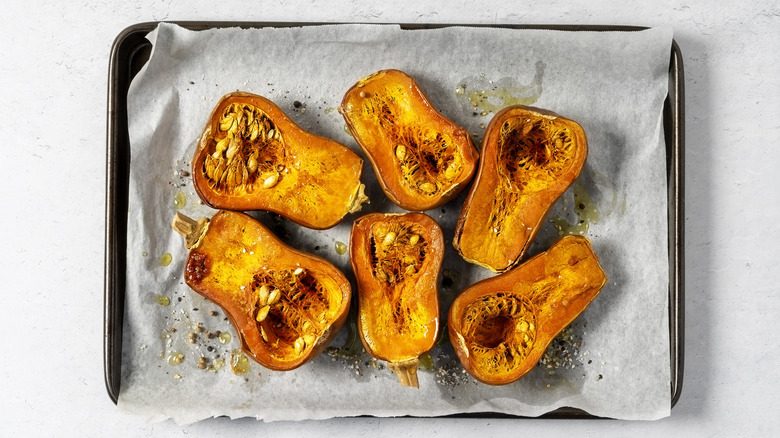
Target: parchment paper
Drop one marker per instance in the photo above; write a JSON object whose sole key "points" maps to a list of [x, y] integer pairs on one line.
{"points": [[614, 359]]}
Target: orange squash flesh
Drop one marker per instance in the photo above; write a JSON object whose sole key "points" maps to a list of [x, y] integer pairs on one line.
{"points": [[286, 305], [251, 156], [501, 326], [421, 158], [396, 259], [529, 158]]}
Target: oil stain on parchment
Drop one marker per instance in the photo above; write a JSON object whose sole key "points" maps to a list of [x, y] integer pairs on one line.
{"points": [[593, 197], [487, 96]]}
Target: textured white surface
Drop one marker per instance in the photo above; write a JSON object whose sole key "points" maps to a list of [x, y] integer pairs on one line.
{"points": [[53, 95]]}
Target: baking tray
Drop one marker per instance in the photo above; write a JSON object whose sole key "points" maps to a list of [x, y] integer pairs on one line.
{"points": [[131, 50]]}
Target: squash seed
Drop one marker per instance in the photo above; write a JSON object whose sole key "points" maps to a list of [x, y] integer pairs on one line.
{"points": [[244, 177], [400, 152], [227, 123], [262, 314], [231, 176], [451, 171], [273, 297], [263, 294], [523, 326], [428, 187], [299, 344], [222, 145], [232, 150], [209, 166], [219, 171], [251, 164], [270, 180], [389, 238]]}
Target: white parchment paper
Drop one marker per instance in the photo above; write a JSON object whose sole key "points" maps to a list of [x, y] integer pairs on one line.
{"points": [[614, 359]]}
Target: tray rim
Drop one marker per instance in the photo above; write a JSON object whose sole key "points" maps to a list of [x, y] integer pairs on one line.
{"points": [[132, 38]]}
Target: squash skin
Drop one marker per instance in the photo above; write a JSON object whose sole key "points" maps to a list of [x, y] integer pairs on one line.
{"points": [[388, 109], [309, 179], [398, 303], [522, 173], [489, 321], [235, 256]]}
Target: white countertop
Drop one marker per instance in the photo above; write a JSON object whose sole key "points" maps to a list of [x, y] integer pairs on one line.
{"points": [[53, 94]]}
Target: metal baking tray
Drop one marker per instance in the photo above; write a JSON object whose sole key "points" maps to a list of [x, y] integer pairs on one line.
{"points": [[131, 50]]}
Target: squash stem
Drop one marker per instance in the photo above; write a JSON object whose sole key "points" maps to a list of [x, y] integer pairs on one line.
{"points": [[189, 228], [406, 370]]}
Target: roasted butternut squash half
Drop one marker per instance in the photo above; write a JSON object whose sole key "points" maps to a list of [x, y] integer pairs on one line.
{"points": [[501, 326], [421, 158], [286, 305], [251, 156], [396, 259], [529, 158]]}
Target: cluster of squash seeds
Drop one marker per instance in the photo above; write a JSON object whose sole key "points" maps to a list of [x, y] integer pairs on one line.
{"points": [[397, 251], [290, 308], [428, 160], [246, 151]]}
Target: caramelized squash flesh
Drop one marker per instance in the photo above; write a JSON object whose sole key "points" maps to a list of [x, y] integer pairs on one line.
{"points": [[421, 158], [529, 158], [251, 156], [396, 259], [286, 305], [500, 327]]}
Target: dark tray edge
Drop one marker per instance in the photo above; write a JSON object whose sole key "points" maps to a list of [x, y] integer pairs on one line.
{"points": [[132, 38], [675, 106]]}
